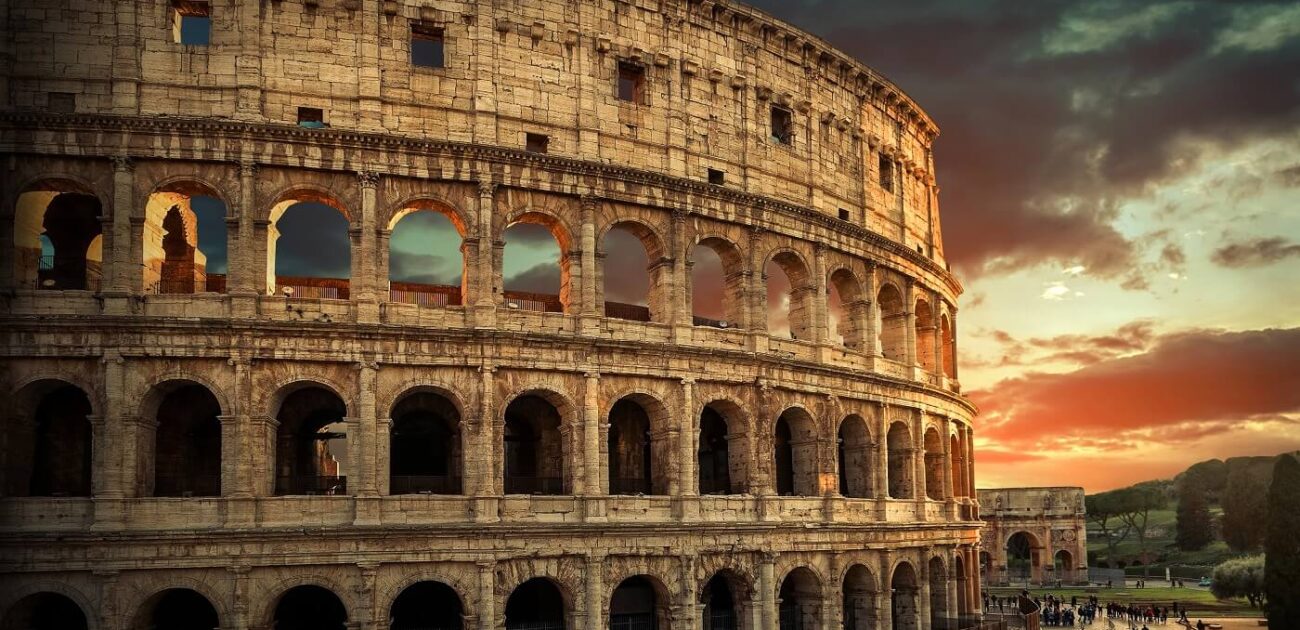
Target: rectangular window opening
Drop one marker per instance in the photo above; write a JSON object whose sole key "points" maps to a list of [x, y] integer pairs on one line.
{"points": [[536, 142], [631, 82], [427, 46], [717, 177], [311, 117], [844, 214], [191, 22], [886, 173], [782, 126], [61, 103]]}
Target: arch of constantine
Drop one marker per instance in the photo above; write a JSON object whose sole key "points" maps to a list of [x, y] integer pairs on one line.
{"points": [[203, 427], [1033, 536]]}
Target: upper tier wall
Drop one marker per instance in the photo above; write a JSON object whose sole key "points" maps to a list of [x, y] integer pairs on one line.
{"points": [[713, 72]]}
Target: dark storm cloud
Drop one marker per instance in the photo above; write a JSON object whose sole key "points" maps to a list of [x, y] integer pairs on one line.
{"points": [[423, 268], [1255, 253], [1052, 112], [313, 242], [540, 278]]}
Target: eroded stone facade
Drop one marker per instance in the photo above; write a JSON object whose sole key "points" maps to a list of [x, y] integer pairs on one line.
{"points": [[1033, 536], [175, 434]]}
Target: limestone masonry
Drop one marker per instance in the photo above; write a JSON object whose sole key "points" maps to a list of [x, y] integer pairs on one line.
{"points": [[187, 447], [1033, 536]]}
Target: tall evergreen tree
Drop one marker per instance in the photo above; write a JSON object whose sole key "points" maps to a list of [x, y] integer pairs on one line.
{"points": [[1245, 502], [1194, 530], [1282, 545]]}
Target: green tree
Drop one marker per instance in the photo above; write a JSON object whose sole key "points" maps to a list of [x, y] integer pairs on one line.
{"points": [[1240, 577], [1211, 475], [1245, 502], [1134, 505], [1282, 546], [1194, 529], [1103, 510]]}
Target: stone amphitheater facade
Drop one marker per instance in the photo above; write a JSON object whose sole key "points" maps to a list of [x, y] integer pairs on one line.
{"points": [[174, 442]]}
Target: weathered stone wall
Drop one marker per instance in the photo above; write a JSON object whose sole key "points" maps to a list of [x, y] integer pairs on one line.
{"points": [[156, 122], [1053, 520]]}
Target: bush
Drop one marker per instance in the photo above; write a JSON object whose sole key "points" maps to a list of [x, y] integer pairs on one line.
{"points": [[1240, 577]]}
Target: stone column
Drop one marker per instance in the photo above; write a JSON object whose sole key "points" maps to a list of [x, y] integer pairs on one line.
{"points": [[909, 309], [884, 616], [688, 481], [595, 583], [589, 304], [487, 611], [483, 267], [679, 300], [362, 283], [871, 327], [117, 245], [918, 462], [923, 589], [231, 426], [767, 591], [833, 597], [110, 611], [111, 437], [242, 276], [821, 323], [945, 433], [382, 448], [757, 291], [970, 462], [952, 584], [592, 466], [485, 464], [368, 612], [238, 618]]}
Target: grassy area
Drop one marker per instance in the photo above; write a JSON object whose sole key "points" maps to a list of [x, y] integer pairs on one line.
{"points": [[1199, 602], [1160, 542]]}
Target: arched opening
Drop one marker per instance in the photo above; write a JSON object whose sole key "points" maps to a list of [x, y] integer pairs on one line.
{"points": [[717, 284], [859, 605], [58, 237], [534, 450], [800, 600], [44, 611], [986, 568], [535, 265], [48, 446], [925, 335], [311, 443], [635, 273], [637, 457], [1063, 565], [959, 572], [958, 475], [426, 256], [903, 594], [789, 297], [187, 446], [637, 605], [893, 323], [177, 609], [899, 443], [309, 248], [424, 446], [939, 594], [535, 605], [795, 454], [713, 456], [184, 240], [949, 347], [310, 607], [721, 597], [934, 465], [426, 605], [1023, 557], [847, 310], [854, 451]]}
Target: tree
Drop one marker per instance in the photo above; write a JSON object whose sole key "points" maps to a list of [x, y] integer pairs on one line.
{"points": [[1282, 546], [1245, 504], [1194, 529], [1103, 510], [1134, 505], [1240, 577]]}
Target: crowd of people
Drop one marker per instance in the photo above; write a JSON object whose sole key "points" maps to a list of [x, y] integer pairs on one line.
{"points": [[1056, 612]]}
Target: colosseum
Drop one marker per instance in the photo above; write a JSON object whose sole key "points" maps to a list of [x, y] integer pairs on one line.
{"points": [[771, 436]]}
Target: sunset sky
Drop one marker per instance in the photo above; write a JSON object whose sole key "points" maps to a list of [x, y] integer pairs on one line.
{"points": [[1120, 197]]}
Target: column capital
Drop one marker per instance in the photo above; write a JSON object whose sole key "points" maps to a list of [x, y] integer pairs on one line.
{"points": [[487, 188], [368, 179], [122, 163], [248, 168]]}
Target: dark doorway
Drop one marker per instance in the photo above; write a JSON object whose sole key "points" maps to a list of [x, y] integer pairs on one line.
{"points": [[714, 463], [634, 605], [426, 606], [629, 449], [533, 450], [719, 604], [178, 609], [311, 443], [784, 459], [310, 608], [44, 611], [187, 447], [62, 445], [425, 446], [535, 605]]}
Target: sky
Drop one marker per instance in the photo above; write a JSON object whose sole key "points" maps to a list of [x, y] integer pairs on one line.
{"points": [[1120, 198]]}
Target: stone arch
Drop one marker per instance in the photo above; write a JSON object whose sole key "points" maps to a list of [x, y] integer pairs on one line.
{"points": [[280, 389], [900, 453], [640, 600], [184, 601], [949, 343], [423, 385], [172, 259], [727, 596], [795, 460], [302, 286], [426, 442], [639, 449], [852, 306], [65, 214], [48, 440], [419, 291], [938, 575], [801, 295], [957, 459], [312, 582], [13, 601], [46, 609], [311, 416], [854, 457], [859, 595], [925, 334], [934, 464], [904, 593], [799, 599], [893, 322], [722, 453], [729, 280], [657, 298], [464, 584], [180, 438], [1024, 553], [427, 604], [534, 451], [562, 232], [959, 573], [547, 604]]}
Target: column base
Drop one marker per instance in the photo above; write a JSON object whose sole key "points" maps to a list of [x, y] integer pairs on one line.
{"points": [[485, 315], [686, 507], [116, 302], [243, 305], [485, 509], [368, 511], [367, 312], [241, 512], [110, 514], [594, 510]]}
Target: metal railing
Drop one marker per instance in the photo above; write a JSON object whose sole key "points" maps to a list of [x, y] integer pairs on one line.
{"points": [[632, 312], [313, 292], [424, 484], [187, 485], [534, 625], [629, 485], [425, 295], [634, 621], [50, 277], [311, 485], [534, 485], [720, 620], [537, 302]]}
